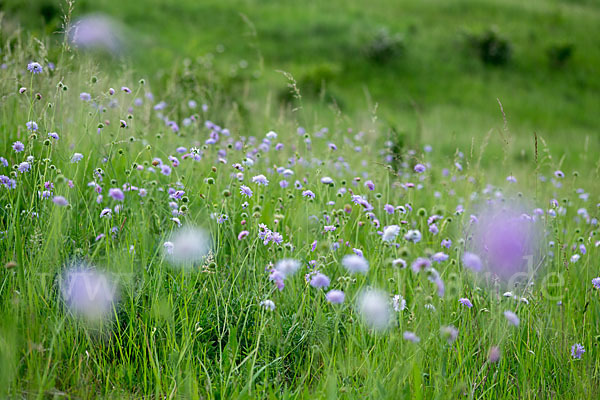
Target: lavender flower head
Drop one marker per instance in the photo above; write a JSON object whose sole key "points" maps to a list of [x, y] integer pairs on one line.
{"points": [[35, 68], [506, 239]]}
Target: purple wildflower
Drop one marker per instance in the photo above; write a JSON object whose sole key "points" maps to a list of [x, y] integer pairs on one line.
{"points": [[335, 296], [35, 67], [18, 146], [32, 126], [472, 261], [60, 201], [116, 194], [308, 193], [465, 302], [320, 280], [577, 351], [420, 168], [261, 180], [23, 167]]}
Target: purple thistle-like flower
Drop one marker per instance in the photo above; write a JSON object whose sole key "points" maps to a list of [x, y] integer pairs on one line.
{"points": [[320, 280], [35, 67], [446, 243], [335, 296], [242, 235], [116, 194], [246, 191], [31, 126], [23, 167], [60, 201], [53, 135], [76, 158], [420, 264], [85, 96], [370, 185], [440, 257], [577, 351], [420, 168], [106, 213], [559, 174], [3, 162], [465, 302], [261, 180], [596, 283], [309, 194], [125, 89], [389, 208], [18, 146], [472, 261], [165, 169]]}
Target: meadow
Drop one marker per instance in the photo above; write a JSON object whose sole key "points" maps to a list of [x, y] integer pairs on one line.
{"points": [[259, 221]]}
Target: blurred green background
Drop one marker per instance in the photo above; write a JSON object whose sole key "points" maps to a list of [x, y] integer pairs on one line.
{"points": [[434, 68]]}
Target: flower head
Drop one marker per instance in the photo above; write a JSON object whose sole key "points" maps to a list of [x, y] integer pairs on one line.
{"points": [[577, 351], [355, 264], [35, 67]]}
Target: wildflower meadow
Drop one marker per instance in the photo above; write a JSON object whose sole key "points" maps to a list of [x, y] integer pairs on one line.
{"points": [[184, 235]]}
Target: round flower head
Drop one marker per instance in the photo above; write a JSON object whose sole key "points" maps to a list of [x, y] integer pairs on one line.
{"points": [[18, 147], [465, 302], [35, 68], [116, 194], [596, 283], [89, 293], [420, 168], [246, 191], [187, 246], [335, 296], [320, 280], [287, 266], [76, 158], [60, 201], [355, 264], [23, 167], [374, 308], [261, 180], [472, 261], [390, 233], [506, 241]]}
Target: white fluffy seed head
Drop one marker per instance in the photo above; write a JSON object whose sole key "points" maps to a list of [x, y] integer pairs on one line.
{"points": [[374, 308]]}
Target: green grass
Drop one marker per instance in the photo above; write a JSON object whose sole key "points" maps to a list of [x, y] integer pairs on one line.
{"points": [[201, 332], [437, 87]]}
